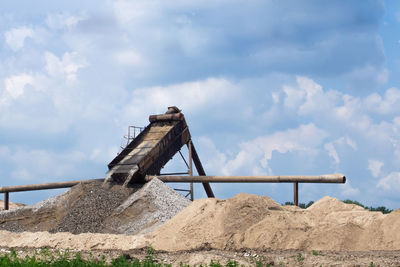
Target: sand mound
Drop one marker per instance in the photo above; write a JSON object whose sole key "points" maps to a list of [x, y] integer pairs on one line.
{"points": [[86, 241], [92, 208], [242, 222], [249, 221], [330, 204]]}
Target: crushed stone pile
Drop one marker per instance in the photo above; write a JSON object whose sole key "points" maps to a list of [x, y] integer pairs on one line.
{"points": [[92, 208], [146, 210]]}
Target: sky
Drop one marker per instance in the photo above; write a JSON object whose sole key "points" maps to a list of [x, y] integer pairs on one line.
{"points": [[267, 88]]}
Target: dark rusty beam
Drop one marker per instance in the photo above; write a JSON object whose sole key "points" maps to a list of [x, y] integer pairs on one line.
{"points": [[296, 193], [200, 170], [328, 178], [32, 187], [6, 200], [191, 168]]}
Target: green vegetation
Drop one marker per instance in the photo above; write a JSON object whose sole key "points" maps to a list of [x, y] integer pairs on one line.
{"points": [[300, 257], [66, 259], [301, 205], [315, 253], [382, 209]]}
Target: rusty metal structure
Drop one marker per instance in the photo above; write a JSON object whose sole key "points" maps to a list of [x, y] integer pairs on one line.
{"points": [[146, 154], [153, 148]]}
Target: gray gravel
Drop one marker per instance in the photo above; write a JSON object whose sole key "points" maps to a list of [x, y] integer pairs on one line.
{"points": [[147, 209], [37, 217], [96, 209], [92, 208]]}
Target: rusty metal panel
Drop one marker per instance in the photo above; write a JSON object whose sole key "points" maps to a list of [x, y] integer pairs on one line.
{"points": [[151, 150]]}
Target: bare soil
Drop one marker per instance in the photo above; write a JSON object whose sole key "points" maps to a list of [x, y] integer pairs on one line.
{"points": [[246, 228]]}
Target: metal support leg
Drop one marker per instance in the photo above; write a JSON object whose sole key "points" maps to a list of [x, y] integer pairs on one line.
{"points": [[296, 193], [200, 170], [191, 169], [6, 200]]}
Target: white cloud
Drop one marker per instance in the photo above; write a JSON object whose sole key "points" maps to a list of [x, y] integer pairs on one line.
{"points": [[375, 167], [340, 142], [390, 183], [373, 74], [67, 66], [308, 97], [63, 20], [101, 155], [129, 58], [38, 163], [126, 11], [189, 96], [305, 139], [349, 191], [388, 104], [15, 84], [213, 159], [350, 143], [294, 97], [332, 152], [15, 37]]}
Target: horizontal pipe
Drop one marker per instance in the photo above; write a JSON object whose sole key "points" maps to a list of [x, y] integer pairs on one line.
{"points": [[173, 173], [31, 187], [328, 178]]}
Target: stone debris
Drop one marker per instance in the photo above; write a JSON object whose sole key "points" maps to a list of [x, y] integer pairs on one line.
{"points": [[146, 210], [93, 208]]}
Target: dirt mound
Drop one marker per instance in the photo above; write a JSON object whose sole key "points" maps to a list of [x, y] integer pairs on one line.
{"points": [[330, 204], [91, 208], [85, 241], [240, 223], [249, 221]]}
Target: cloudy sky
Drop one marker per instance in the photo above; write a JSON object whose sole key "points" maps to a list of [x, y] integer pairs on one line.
{"points": [[267, 88]]}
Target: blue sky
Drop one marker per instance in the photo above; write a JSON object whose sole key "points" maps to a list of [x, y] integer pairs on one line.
{"points": [[267, 88]]}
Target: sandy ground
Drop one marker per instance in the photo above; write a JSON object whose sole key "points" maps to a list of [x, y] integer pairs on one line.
{"points": [[246, 228], [253, 222]]}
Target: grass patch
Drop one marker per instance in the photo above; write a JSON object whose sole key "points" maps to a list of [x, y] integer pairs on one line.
{"points": [[45, 257]]}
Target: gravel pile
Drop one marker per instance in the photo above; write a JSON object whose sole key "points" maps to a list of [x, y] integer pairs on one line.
{"points": [[92, 208], [146, 210], [38, 217]]}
